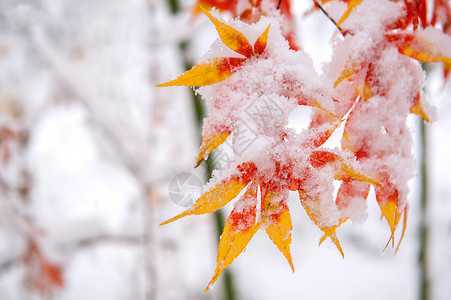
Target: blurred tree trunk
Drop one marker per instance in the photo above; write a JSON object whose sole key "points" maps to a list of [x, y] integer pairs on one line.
{"points": [[199, 111]]}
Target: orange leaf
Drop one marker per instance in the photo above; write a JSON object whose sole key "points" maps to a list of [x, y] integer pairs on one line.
{"points": [[277, 222], [52, 274], [350, 190], [215, 198], [321, 158], [418, 48], [446, 70], [343, 169], [209, 144], [323, 124], [238, 231], [441, 13], [206, 73], [255, 3], [44, 275], [354, 141], [387, 198], [260, 43], [351, 5], [231, 37]]}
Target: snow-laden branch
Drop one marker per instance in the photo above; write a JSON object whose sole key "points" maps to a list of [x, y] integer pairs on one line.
{"points": [[82, 89]]}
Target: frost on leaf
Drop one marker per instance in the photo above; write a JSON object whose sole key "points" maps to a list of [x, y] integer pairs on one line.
{"points": [[239, 229], [219, 69], [209, 144], [215, 198], [373, 82], [277, 221]]}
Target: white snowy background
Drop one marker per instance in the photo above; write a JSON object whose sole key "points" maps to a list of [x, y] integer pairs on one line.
{"points": [[101, 143]]}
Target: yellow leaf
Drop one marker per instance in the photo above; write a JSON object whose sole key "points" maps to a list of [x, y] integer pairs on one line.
{"points": [[424, 55], [351, 5], [347, 172], [389, 212], [404, 226], [260, 43], [277, 222], [387, 198], [209, 144], [348, 71], [206, 73], [238, 231], [342, 166], [215, 198], [366, 91], [329, 231], [361, 86], [417, 109], [231, 37], [418, 48]]}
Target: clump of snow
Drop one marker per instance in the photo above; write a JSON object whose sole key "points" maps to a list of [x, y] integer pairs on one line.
{"points": [[373, 16], [438, 43], [377, 88]]}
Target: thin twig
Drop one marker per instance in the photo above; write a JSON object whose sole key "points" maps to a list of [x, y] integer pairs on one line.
{"points": [[78, 245], [6, 265], [90, 242], [327, 15], [278, 5]]}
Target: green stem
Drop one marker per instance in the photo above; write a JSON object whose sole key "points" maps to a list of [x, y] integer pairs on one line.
{"points": [[174, 6], [424, 228], [199, 111]]}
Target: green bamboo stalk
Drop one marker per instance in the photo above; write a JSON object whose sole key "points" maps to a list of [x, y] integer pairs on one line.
{"points": [[424, 227], [199, 111]]}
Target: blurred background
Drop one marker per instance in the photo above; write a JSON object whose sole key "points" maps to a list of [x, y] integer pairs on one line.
{"points": [[89, 145]]}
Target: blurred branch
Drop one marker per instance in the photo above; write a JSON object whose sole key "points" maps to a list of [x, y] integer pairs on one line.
{"points": [[199, 111], [424, 227], [176, 31], [5, 185], [6, 265], [79, 245], [81, 89], [94, 241], [73, 85]]}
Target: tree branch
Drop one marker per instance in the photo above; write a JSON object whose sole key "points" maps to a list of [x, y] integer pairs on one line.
{"points": [[327, 15]]}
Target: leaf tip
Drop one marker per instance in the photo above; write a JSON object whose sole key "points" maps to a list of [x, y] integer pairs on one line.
{"points": [[214, 278], [199, 161], [179, 216]]}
